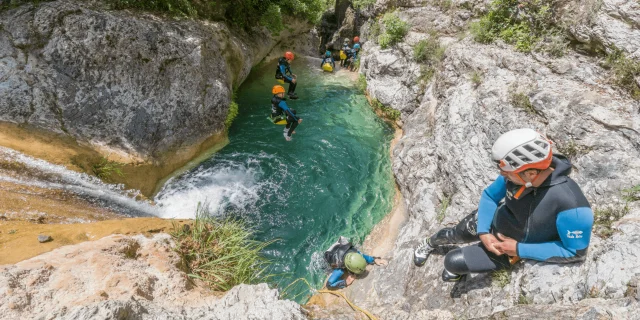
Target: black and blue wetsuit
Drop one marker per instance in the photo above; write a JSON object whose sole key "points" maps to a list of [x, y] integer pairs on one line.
{"points": [[335, 279], [278, 108], [328, 60], [552, 223], [283, 71]]}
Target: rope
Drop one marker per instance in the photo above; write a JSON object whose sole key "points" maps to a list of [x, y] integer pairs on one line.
{"points": [[335, 293]]}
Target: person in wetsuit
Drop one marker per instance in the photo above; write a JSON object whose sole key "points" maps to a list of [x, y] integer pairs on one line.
{"points": [[544, 217], [345, 49], [353, 56], [283, 72], [328, 59], [344, 258], [279, 108]]}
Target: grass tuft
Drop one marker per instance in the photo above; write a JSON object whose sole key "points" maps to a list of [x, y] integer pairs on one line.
{"points": [[476, 78], [522, 299], [362, 82], [231, 115], [444, 205], [626, 72], [603, 219], [521, 100], [501, 278], [220, 251], [631, 194], [387, 112], [105, 169]]}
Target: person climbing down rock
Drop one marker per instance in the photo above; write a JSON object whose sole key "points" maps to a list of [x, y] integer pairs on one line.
{"points": [[545, 215], [280, 111], [356, 40], [328, 59], [344, 51], [283, 72], [343, 257]]}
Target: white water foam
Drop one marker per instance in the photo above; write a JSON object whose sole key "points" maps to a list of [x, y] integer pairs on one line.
{"points": [[91, 188], [227, 186]]}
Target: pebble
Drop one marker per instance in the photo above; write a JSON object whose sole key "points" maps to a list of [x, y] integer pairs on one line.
{"points": [[44, 238]]}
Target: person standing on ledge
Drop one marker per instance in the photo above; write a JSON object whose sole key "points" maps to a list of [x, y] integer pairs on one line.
{"points": [[283, 72], [344, 258], [545, 215]]}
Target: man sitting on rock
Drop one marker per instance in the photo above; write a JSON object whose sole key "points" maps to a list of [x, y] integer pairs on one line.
{"points": [[343, 257], [283, 73], [545, 216]]}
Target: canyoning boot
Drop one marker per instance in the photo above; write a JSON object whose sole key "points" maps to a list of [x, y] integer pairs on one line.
{"points": [[422, 252], [451, 277], [286, 136], [293, 96]]}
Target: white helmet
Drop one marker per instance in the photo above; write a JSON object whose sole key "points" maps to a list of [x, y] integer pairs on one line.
{"points": [[522, 149]]}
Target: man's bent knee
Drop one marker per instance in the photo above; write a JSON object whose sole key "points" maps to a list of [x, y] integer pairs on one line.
{"points": [[454, 262]]}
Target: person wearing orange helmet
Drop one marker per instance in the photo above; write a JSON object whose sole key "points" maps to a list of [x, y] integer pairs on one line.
{"points": [[283, 72], [279, 109], [544, 217]]}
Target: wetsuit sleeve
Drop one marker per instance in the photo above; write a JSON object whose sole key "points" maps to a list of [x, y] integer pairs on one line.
{"points": [[574, 227], [335, 280], [284, 74], [285, 108], [489, 200], [367, 258]]}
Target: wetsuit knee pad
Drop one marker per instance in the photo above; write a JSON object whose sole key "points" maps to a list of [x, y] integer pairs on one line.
{"points": [[454, 262]]}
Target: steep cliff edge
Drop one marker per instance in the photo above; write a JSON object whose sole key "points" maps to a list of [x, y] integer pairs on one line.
{"points": [[442, 162], [147, 91]]}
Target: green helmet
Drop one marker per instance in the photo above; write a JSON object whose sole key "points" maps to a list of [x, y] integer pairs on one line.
{"points": [[355, 262]]}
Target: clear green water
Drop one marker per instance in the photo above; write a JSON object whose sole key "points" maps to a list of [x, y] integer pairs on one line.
{"points": [[333, 179]]}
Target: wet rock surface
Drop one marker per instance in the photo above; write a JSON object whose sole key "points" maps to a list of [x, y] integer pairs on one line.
{"points": [[442, 163], [120, 277]]}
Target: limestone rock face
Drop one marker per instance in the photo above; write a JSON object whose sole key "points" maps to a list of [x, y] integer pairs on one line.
{"points": [[121, 277], [124, 80], [442, 164]]}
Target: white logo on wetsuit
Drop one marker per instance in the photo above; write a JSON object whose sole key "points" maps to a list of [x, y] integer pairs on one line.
{"points": [[574, 234]]}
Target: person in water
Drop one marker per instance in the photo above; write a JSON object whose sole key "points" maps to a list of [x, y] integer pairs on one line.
{"points": [[283, 72], [279, 108], [344, 51], [344, 258], [328, 59], [353, 56], [544, 217]]}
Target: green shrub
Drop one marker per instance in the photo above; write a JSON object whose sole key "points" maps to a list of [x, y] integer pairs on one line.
{"points": [[521, 100], [521, 23], [394, 30], [603, 219], [360, 4], [239, 13], [106, 168], [231, 115], [362, 82], [220, 251], [428, 51], [625, 70], [387, 112], [374, 29]]}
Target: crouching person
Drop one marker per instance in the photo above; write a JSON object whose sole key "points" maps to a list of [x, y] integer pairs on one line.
{"points": [[347, 262]]}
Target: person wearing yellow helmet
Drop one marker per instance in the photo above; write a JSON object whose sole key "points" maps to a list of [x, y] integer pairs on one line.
{"points": [[544, 217], [279, 108], [283, 72], [344, 258]]}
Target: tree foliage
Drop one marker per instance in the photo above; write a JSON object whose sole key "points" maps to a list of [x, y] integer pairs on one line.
{"points": [[246, 14]]}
